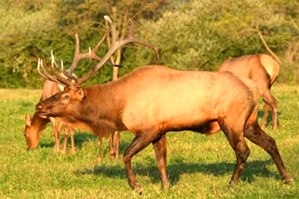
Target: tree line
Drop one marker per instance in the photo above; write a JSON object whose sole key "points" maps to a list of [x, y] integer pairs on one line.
{"points": [[190, 35]]}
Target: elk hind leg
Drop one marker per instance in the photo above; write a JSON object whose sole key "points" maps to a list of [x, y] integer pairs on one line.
{"points": [[237, 141], [272, 102], [265, 115], [255, 134]]}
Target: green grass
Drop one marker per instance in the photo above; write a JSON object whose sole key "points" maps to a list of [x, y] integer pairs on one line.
{"points": [[198, 166]]}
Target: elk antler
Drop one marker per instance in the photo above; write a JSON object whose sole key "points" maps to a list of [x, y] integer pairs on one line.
{"points": [[91, 54], [115, 45], [59, 77]]}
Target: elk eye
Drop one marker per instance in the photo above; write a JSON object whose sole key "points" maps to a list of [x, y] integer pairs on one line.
{"points": [[65, 97]]}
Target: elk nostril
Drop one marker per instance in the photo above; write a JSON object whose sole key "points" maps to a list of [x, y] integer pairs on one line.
{"points": [[38, 107]]}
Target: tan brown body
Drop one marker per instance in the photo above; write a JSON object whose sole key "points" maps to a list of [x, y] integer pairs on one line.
{"points": [[153, 100], [262, 69]]}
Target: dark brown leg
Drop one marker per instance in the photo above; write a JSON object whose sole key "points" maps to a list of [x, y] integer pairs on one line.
{"points": [[160, 152], [256, 135], [237, 142], [138, 144]]}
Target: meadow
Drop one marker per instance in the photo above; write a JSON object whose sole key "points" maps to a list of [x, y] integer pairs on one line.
{"points": [[198, 166]]}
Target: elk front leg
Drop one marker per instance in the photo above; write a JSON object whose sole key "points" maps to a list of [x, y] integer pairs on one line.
{"points": [[114, 145], [65, 128], [255, 134], [160, 152], [56, 134], [100, 148], [139, 143], [73, 149]]}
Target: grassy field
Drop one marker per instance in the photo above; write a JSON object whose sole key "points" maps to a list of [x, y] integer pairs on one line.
{"points": [[198, 166]]}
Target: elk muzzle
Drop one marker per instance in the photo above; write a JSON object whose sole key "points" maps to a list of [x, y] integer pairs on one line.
{"points": [[42, 113]]}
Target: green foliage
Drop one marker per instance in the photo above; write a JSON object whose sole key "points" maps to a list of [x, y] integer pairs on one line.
{"points": [[191, 35], [198, 166], [22, 40]]}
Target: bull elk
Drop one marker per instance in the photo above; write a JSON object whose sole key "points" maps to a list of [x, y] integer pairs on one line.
{"points": [[153, 100], [262, 69], [35, 125]]}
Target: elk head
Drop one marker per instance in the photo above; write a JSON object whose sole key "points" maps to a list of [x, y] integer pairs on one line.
{"points": [[31, 138]]}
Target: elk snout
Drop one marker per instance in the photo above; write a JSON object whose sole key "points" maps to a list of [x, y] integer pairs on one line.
{"points": [[38, 107], [42, 113]]}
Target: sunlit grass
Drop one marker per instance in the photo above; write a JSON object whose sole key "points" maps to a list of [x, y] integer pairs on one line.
{"points": [[198, 166]]}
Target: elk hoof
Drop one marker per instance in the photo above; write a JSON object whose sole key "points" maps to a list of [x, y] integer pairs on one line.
{"points": [[288, 181], [112, 155], [73, 152], [138, 188], [231, 185]]}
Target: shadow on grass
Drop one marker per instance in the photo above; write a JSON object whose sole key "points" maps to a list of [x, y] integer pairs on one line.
{"points": [[252, 169]]}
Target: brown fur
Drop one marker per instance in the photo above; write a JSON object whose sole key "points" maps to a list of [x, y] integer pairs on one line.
{"points": [[153, 100], [262, 69]]}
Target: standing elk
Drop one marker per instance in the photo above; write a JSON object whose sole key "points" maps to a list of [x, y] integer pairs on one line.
{"points": [[152, 100], [262, 69]]}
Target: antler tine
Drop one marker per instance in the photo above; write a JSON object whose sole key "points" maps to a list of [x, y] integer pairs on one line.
{"points": [[91, 54], [118, 44], [53, 62], [39, 63], [55, 78], [115, 45], [131, 36]]}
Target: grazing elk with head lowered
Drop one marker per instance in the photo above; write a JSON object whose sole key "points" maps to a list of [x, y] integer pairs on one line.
{"points": [[35, 125], [152, 100], [262, 69]]}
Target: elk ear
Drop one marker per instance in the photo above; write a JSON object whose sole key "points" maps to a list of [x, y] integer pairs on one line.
{"points": [[28, 120], [80, 94]]}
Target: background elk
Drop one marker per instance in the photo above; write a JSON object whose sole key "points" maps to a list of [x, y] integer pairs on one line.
{"points": [[153, 100], [35, 125], [262, 69]]}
